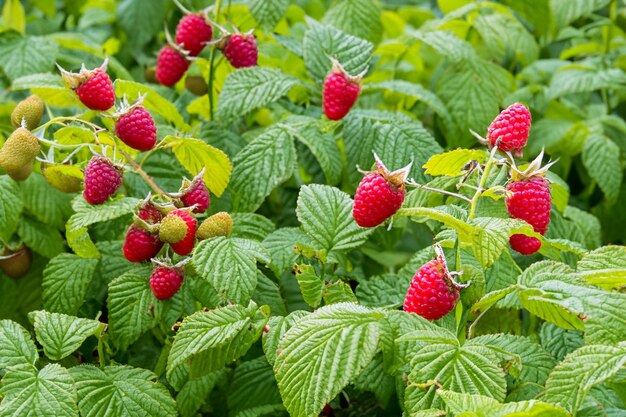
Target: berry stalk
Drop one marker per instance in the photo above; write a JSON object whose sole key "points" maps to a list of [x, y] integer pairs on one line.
{"points": [[147, 178], [481, 184], [218, 6]]}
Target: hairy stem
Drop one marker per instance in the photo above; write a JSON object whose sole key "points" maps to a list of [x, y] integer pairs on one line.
{"points": [[481, 185], [440, 191], [147, 178]]}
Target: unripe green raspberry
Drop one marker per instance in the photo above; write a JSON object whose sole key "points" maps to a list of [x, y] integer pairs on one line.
{"points": [[30, 110], [173, 229], [18, 153], [219, 224]]}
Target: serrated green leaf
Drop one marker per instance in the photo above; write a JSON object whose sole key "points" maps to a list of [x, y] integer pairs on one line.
{"points": [[21, 55], [251, 226], [560, 342], [153, 100], [375, 379], [601, 158], [253, 389], [250, 88], [13, 16], [311, 285], [45, 203], [133, 308], [463, 229], [209, 340], [195, 154], [229, 264], [86, 214], [278, 327], [605, 267], [572, 379], [322, 353], [326, 216], [16, 346], [268, 293], [263, 164], [59, 334], [41, 239], [119, 390], [150, 12], [268, 13], [339, 292], [452, 163], [65, 282], [387, 290], [360, 18], [321, 42], [80, 242], [587, 223], [567, 11], [280, 245], [195, 392], [577, 80], [491, 236], [10, 207], [483, 406], [28, 392]]}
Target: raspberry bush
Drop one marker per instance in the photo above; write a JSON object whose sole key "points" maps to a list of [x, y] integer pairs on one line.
{"points": [[319, 207]]}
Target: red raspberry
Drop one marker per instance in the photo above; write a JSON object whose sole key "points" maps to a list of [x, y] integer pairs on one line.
{"points": [[102, 179], [240, 50], [196, 192], [529, 200], [140, 245], [97, 92], [379, 195], [432, 293], [340, 93], [192, 33], [165, 281], [149, 213], [171, 66], [180, 235], [509, 130], [136, 128]]}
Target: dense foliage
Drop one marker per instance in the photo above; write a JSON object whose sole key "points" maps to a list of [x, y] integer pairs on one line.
{"points": [[298, 310]]}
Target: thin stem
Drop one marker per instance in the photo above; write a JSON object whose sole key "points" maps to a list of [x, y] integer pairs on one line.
{"points": [[218, 6], [143, 173], [470, 329], [440, 191], [101, 357], [481, 185]]}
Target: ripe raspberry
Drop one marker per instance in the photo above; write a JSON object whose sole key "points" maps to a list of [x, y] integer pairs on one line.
{"points": [[171, 66], [196, 192], [140, 245], [136, 128], [340, 92], [30, 110], [18, 153], [93, 87], [529, 200], [509, 130], [192, 33], [219, 224], [379, 195], [149, 213], [102, 179], [432, 293], [240, 50], [178, 228], [165, 281]]}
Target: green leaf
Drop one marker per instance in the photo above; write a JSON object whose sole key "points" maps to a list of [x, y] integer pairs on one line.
{"points": [[447, 45], [195, 392], [375, 379], [131, 308], [211, 339], [13, 16], [572, 379], [567, 11], [86, 214], [253, 389], [577, 80], [251, 226], [268, 13], [60, 335], [118, 391], [463, 229], [16, 346], [387, 290], [491, 236], [263, 164], [601, 158], [65, 282], [311, 285], [360, 18], [250, 88], [268, 293], [150, 12], [280, 245], [278, 327], [40, 238], [322, 353], [605, 267], [229, 264], [452, 163], [326, 216], [21, 56], [45, 203], [153, 100], [80, 242], [195, 154], [321, 42], [31, 392], [560, 342], [482, 406], [10, 207], [470, 369]]}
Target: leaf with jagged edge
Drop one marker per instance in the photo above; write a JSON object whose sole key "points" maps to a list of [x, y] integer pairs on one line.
{"points": [[253, 389], [87, 214], [60, 334], [278, 327], [601, 158], [451, 163], [360, 18], [322, 352], [604, 267], [11, 206], [65, 282], [16, 346], [268, 13]]}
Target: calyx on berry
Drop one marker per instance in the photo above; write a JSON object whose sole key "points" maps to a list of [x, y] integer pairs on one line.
{"points": [[534, 169], [74, 80], [395, 178]]}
